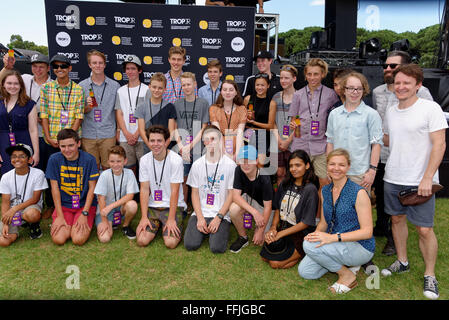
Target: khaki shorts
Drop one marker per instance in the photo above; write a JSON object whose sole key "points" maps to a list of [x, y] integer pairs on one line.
{"points": [[158, 216], [358, 178], [99, 148], [320, 165], [15, 229], [133, 153]]}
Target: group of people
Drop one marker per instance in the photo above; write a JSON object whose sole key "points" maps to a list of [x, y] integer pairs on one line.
{"points": [[202, 152]]}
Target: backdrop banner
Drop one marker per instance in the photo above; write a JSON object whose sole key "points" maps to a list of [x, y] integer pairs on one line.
{"points": [[148, 31]]}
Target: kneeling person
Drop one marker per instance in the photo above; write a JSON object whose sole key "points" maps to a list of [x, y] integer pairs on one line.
{"points": [[161, 200], [21, 190], [115, 191], [211, 179]]}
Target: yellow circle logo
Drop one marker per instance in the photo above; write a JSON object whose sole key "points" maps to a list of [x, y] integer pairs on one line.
{"points": [[90, 21], [203, 24], [176, 42], [118, 76], [147, 60], [116, 40], [202, 61], [229, 77], [146, 23]]}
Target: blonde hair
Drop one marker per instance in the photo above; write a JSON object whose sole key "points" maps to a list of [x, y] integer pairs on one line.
{"points": [[289, 68], [188, 75], [177, 50], [339, 152], [317, 62], [94, 52], [159, 77]]}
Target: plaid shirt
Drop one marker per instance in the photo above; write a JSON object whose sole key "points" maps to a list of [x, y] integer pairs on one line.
{"points": [[173, 90], [51, 105]]}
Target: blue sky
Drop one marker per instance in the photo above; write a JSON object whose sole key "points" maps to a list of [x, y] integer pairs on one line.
{"points": [[27, 17]]}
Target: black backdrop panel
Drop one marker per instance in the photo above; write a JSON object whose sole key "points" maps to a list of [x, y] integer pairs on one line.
{"points": [[148, 31]]}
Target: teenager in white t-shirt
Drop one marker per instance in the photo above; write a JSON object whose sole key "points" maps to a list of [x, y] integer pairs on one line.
{"points": [[128, 98], [161, 197], [415, 133], [21, 190], [211, 179]]}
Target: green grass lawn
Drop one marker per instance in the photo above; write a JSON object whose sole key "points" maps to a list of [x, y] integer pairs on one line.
{"points": [[121, 270]]}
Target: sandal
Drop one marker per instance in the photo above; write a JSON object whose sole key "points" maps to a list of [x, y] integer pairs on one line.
{"points": [[341, 288]]}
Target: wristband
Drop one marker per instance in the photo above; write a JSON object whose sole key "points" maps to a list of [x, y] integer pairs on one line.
{"points": [[85, 213], [373, 167], [219, 215], [339, 236]]}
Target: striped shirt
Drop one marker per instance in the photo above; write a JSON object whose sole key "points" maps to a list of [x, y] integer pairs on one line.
{"points": [[173, 90], [56, 99]]}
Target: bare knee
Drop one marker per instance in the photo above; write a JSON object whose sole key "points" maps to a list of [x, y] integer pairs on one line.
{"points": [[131, 207], [235, 211], [32, 215], [425, 232], [171, 242], [6, 242]]}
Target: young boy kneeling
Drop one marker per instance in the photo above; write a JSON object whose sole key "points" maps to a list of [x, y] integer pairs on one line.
{"points": [[115, 191], [21, 190]]}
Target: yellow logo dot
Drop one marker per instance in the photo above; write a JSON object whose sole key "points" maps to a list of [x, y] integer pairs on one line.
{"points": [[118, 76], [146, 23], [176, 42], [202, 61], [203, 24], [116, 40], [90, 21], [229, 77], [147, 60]]}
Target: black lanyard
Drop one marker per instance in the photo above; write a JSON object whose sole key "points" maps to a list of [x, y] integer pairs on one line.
{"points": [[68, 100], [334, 207], [9, 115], [177, 94], [207, 175], [151, 107], [230, 116], [76, 172], [283, 108], [31, 88], [104, 88], [162, 172], [129, 97], [319, 103], [193, 114], [214, 93], [113, 183], [24, 188]]}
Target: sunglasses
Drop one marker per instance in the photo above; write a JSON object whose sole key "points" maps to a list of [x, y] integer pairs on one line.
{"points": [[60, 66], [391, 65], [262, 75], [287, 68]]}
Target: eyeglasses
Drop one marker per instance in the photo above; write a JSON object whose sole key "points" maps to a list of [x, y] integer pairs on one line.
{"points": [[262, 75], [60, 66], [352, 90], [22, 157], [391, 65]]}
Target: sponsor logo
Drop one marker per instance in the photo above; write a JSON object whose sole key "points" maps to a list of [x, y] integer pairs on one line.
{"points": [[203, 24], [63, 39], [211, 43], [147, 76], [118, 76], [176, 42], [237, 44], [229, 77], [91, 39], [206, 78], [71, 18], [236, 25], [90, 21], [152, 42], [180, 23], [202, 61], [146, 23], [116, 40], [147, 60], [235, 62], [124, 22], [73, 56]]}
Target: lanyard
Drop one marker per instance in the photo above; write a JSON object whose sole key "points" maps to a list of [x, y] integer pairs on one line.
{"points": [[68, 100], [193, 113], [158, 184], [177, 94], [207, 175], [129, 97], [76, 172], [283, 107], [253, 188], [104, 88], [113, 183], [214, 94], [151, 107], [9, 116], [319, 103], [24, 188], [334, 206], [230, 116], [31, 88]]}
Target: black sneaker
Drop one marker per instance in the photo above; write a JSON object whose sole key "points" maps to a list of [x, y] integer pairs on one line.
{"points": [[431, 288], [129, 233], [35, 231], [366, 267], [238, 244], [396, 267]]}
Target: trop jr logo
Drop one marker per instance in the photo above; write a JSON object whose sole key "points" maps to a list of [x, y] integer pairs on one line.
{"points": [[237, 44], [180, 23], [73, 56], [63, 39], [71, 18], [211, 43], [236, 25], [94, 39], [152, 42], [124, 22]]}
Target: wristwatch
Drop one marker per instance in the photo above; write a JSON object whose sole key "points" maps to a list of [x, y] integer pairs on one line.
{"points": [[373, 167], [85, 213], [220, 216]]}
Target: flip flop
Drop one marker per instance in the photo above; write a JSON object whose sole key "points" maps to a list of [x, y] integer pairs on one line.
{"points": [[354, 269], [341, 288]]}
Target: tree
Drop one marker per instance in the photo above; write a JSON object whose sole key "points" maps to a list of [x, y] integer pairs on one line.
{"points": [[16, 41]]}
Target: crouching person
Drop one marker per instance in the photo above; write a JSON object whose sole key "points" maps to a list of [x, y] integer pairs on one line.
{"points": [[21, 190], [115, 190], [211, 179]]}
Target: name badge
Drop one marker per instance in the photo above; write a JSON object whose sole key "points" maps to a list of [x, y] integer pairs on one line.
{"points": [[189, 139], [157, 195], [97, 115], [132, 119], [64, 117], [315, 128], [210, 199], [247, 134], [117, 218], [247, 220], [17, 219], [75, 201], [229, 145], [12, 139], [285, 131]]}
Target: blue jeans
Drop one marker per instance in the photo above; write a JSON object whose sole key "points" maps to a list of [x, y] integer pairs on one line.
{"points": [[331, 257]]}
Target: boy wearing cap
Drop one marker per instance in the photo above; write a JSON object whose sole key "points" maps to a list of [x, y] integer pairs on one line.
{"points": [[128, 98], [73, 174], [99, 125], [211, 179], [263, 59], [252, 199], [21, 190]]}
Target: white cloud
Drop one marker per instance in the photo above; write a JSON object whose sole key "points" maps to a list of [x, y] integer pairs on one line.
{"points": [[317, 3]]}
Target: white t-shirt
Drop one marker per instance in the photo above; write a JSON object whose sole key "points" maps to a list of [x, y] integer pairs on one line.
{"points": [[410, 145], [224, 180], [122, 102], [173, 173], [36, 182], [105, 185]]}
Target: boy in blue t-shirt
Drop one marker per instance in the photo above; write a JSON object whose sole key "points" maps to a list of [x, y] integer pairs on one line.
{"points": [[115, 190], [73, 174]]}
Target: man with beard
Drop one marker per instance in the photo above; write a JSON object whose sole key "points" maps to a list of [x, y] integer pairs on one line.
{"points": [[383, 98]]}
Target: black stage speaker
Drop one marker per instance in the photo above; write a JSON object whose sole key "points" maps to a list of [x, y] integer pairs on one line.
{"points": [[341, 23], [318, 40]]}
